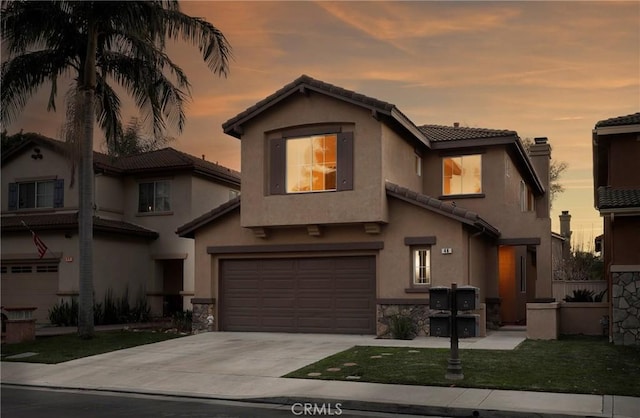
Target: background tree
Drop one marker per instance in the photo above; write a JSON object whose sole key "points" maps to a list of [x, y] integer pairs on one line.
{"points": [[101, 44], [556, 168], [133, 141]]}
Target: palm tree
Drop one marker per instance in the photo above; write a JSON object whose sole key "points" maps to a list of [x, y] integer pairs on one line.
{"points": [[101, 43]]}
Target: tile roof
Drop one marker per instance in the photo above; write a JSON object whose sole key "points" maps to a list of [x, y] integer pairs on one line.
{"points": [[447, 209], [437, 133], [610, 198], [305, 81], [69, 220], [633, 119], [159, 160], [187, 230]]}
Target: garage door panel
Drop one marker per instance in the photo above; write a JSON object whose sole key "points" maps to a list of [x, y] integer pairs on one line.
{"points": [[323, 295]]}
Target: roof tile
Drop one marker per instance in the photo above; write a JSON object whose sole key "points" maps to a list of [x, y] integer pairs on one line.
{"points": [[450, 133], [610, 198], [633, 119]]}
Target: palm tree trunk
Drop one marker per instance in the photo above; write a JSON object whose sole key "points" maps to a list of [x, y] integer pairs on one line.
{"points": [[85, 213]]}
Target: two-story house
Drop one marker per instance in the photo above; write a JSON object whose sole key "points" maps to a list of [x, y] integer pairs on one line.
{"points": [[139, 202], [350, 213], [616, 182]]}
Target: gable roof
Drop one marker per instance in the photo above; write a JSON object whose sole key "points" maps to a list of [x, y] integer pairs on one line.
{"points": [[166, 159], [443, 208], [304, 83], [440, 133], [613, 199], [69, 220], [188, 230]]}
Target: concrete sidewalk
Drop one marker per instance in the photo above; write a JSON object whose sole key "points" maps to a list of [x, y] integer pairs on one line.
{"points": [[248, 366]]}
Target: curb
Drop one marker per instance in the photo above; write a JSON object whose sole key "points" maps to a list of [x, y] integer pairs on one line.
{"points": [[345, 405]]}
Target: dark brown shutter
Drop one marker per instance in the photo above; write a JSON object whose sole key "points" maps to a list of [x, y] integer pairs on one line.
{"points": [[345, 161], [58, 193], [13, 196], [277, 166]]}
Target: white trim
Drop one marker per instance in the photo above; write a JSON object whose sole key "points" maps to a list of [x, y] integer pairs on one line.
{"points": [[620, 129]]}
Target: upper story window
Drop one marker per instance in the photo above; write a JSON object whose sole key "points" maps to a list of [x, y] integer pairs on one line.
{"points": [[36, 194], [462, 175], [311, 162], [418, 165], [154, 196], [527, 200]]}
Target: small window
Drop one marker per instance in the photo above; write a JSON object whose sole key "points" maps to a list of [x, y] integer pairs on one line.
{"points": [[421, 266], [154, 197], [21, 269], [233, 194], [462, 175], [311, 164], [527, 200], [47, 268], [36, 194], [418, 165]]}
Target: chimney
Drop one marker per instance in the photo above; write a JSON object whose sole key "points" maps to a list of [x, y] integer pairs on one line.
{"points": [[540, 156], [456, 124], [565, 231], [203, 156]]}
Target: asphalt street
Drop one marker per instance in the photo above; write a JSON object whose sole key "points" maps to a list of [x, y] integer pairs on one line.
{"points": [[21, 402]]}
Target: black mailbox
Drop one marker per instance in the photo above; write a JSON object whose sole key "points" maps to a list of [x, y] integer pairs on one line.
{"points": [[439, 298], [467, 298], [439, 325], [468, 326]]}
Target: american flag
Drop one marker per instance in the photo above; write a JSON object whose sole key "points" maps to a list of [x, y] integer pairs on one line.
{"points": [[40, 246]]}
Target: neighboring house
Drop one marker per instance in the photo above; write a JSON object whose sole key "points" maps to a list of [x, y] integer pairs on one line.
{"points": [[616, 181], [350, 213], [139, 201]]}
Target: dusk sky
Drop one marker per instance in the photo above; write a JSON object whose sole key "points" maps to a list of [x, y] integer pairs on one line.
{"points": [[540, 68]]}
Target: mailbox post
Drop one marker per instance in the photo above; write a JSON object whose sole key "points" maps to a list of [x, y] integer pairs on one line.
{"points": [[452, 325]]}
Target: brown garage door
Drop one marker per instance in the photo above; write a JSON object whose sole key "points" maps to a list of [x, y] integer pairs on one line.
{"points": [[315, 295], [30, 285]]}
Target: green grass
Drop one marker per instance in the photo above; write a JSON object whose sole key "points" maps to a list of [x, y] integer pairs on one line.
{"points": [[571, 365], [62, 348]]}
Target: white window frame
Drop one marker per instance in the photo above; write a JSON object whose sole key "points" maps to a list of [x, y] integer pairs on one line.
{"points": [[39, 194], [421, 266]]}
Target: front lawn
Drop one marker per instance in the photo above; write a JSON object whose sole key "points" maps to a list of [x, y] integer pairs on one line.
{"points": [[574, 365], [62, 348]]}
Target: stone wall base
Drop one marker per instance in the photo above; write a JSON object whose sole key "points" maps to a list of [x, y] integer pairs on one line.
{"points": [[625, 305], [204, 319]]}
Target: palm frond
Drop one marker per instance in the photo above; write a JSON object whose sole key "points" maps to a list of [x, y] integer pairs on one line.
{"points": [[108, 109], [23, 75]]}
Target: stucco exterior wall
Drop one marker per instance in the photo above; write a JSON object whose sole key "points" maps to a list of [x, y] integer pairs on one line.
{"points": [[398, 161], [109, 196], [261, 209], [52, 166]]}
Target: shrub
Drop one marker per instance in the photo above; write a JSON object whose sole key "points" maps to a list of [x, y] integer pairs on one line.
{"points": [[182, 320], [64, 313], [580, 295], [402, 327]]}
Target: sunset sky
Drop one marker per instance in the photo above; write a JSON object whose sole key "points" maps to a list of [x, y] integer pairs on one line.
{"points": [[540, 68]]}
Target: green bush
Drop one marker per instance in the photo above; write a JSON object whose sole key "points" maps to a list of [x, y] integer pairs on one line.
{"points": [[182, 320], [584, 295], [110, 311], [64, 313], [402, 327]]}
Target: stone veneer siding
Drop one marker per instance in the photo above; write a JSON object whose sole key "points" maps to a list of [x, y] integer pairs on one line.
{"points": [[202, 308], [626, 308], [419, 314]]}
